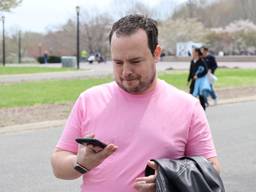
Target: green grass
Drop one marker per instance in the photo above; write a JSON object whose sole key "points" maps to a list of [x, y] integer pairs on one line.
{"points": [[26, 70], [176, 78], [54, 91], [227, 78], [62, 91], [236, 78]]}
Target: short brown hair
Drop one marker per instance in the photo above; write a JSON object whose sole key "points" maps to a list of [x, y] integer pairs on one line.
{"points": [[198, 50], [205, 48], [132, 23]]}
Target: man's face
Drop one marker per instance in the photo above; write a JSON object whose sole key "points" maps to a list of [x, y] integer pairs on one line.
{"points": [[134, 64], [205, 52], [194, 54]]}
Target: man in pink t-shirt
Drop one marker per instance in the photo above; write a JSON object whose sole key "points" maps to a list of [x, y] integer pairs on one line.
{"points": [[138, 116]]}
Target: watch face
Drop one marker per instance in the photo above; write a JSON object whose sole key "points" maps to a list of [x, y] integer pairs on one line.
{"points": [[80, 169]]}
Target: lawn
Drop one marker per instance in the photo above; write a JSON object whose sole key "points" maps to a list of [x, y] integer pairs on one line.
{"points": [[227, 78], [61, 91], [7, 70], [51, 91], [236, 78]]}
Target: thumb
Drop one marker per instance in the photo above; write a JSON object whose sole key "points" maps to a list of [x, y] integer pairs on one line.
{"points": [[107, 151], [152, 165], [90, 135]]}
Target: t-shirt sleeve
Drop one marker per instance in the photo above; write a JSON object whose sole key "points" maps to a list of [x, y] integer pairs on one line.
{"points": [[200, 142], [72, 128]]}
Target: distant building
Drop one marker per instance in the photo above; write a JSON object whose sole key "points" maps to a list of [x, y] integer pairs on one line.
{"points": [[184, 49]]}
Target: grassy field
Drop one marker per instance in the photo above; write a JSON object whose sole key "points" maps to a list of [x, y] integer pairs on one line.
{"points": [[227, 78], [52, 91], [61, 91], [236, 78], [26, 70]]}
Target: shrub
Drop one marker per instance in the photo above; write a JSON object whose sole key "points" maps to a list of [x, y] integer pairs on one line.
{"points": [[51, 59]]}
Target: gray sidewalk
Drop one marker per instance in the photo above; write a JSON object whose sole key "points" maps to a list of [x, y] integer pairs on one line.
{"points": [[101, 70]]}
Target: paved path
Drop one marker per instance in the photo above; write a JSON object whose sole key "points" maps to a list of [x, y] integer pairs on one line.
{"points": [[25, 155], [103, 69], [25, 163], [235, 138]]}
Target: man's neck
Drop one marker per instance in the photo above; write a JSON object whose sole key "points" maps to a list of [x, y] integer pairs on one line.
{"points": [[152, 87]]}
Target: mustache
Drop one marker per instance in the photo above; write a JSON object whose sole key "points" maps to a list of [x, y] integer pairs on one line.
{"points": [[130, 78]]}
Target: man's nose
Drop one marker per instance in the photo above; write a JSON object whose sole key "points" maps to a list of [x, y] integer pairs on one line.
{"points": [[127, 71]]}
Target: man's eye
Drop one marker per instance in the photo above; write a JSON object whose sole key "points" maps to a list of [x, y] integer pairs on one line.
{"points": [[118, 63], [135, 62]]}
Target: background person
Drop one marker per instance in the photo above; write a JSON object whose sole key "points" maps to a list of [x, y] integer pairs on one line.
{"points": [[196, 64], [45, 57], [212, 66]]}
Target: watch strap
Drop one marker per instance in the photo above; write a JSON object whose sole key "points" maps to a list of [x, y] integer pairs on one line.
{"points": [[80, 168]]}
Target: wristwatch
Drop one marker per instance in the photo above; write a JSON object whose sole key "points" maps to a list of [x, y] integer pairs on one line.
{"points": [[80, 168]]}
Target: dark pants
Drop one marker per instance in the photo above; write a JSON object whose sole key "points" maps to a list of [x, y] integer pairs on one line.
{"points": [[212, 93], [207, 93], [202, 101]]}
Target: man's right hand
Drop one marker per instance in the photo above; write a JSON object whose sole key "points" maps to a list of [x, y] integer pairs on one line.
{"points": [[147, 184], [90, 156]]}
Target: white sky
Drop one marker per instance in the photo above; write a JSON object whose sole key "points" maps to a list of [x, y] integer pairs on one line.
{"points": [[40, 15]]}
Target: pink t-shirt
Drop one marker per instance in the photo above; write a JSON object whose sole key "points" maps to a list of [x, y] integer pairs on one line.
{"points": [[164, 123]]}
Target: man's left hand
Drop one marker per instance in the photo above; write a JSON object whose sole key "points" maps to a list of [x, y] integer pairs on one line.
{"points": [[147, 184]]}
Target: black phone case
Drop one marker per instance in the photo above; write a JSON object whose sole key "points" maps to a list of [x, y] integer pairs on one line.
{"points": [[91, 141]]}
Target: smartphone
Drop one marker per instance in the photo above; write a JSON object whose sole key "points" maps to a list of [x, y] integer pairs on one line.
{"points": [[91, 141]]}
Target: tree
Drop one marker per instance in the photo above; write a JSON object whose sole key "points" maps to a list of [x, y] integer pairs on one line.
{"points": [[191, 9], [124, 7], [180, 30], [140, 8], [62, 41], [239, 37], [6, 5], [95, 31], [93, 36], [217, 13]]}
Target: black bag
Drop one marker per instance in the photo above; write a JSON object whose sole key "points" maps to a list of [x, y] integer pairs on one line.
{"points": [[188, 174]]}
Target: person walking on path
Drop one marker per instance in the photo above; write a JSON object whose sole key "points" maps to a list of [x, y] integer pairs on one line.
{"points": [[212, 66], [198, 69], [138, 116]]}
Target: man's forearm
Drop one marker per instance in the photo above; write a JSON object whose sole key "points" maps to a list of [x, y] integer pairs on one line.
{"points": [[63, 163]]}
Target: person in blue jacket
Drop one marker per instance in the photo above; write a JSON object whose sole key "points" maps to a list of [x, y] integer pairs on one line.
{"points": [[198, 69], [212, 66]]}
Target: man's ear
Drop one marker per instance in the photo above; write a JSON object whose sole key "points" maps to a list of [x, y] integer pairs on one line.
{"points": [[157, 53]]}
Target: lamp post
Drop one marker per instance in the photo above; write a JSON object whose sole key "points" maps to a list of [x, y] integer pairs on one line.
{"points": [[19, 47], [3, 18], [77, 38]]}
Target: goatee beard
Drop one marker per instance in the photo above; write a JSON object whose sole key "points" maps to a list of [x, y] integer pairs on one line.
{"points": [[142, 87]]}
